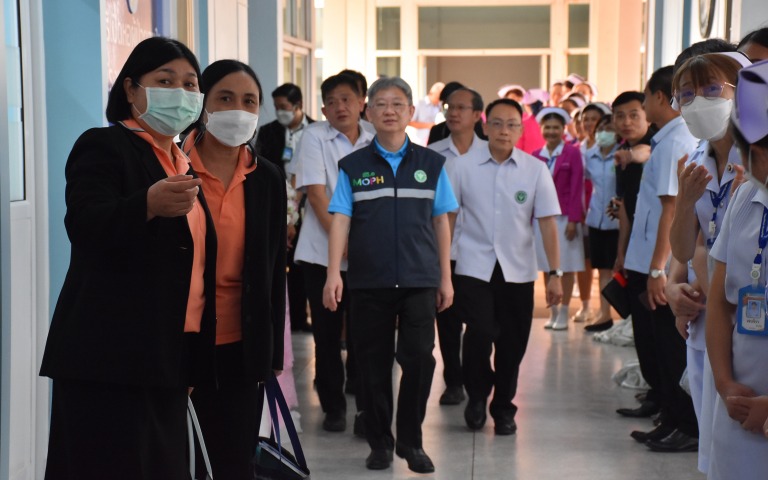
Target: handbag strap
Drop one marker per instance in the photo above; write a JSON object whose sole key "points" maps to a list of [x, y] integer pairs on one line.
{"points": [[276, 399], [193, 422]]}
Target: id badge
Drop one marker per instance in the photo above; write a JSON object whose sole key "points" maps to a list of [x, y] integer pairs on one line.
{"points": [[287, 154], [751, 311]]}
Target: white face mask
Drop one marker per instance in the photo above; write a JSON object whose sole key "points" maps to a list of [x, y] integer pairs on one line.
{"points": [[284, 117], [605, 138], [707, 119], [232, 127], [748, 174]]}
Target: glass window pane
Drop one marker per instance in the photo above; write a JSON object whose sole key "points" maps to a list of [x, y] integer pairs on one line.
{"points": [[301, 68], [15, 101], [287, 68], [579, 64], [388, 28], [484, 27], [388, 66], [301, 19], [578, 26], [289, 9]]}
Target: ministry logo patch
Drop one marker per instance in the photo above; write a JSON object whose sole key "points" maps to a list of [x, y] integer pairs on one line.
{"points": [[521, 197], [420, 176]]}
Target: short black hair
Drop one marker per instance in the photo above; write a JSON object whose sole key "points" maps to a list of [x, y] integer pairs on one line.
{"points": [[290, 91], [330, 83], [759, 36], [362, 82], [626, 97], [220, 69], [477, 99], [710, 45], [503, 101], [553, 116], [661, 81], [147, 56], [448, 89]]}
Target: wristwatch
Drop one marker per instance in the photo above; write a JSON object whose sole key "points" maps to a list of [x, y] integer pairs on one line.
{"points": [[656, 273], [557, 273]]}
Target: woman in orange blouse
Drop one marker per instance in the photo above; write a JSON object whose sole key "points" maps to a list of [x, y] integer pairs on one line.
{"points": [[134, 325], [247, 198]]}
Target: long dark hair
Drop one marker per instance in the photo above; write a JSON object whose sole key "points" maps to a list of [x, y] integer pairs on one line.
{"points": [[147, 56]]}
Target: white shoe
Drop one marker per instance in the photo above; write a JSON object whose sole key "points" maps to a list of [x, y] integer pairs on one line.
{"points": [[561, 321], [552, 317], [583, 315]]}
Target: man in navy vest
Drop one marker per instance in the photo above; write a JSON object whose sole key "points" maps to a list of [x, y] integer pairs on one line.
{"points": [[391, 203]]}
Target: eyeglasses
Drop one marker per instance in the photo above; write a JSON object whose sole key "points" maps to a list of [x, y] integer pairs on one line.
{"points": [[687, 95], [498, 125], [457, 108], [380, 107]]}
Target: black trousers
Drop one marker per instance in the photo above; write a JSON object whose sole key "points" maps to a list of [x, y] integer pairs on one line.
{"points": [[326, 328], [229, 417], [497, 313], [449, 329], [661, 352], [412, 312], [122, 432], [297, 295]]}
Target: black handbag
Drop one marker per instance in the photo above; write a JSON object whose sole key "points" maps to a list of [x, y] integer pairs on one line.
{"points": [[616, 293], [271, 460]]}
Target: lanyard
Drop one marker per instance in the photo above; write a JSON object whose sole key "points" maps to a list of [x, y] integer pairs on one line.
{"points": [[762, 241], [551, 161], [717, 200]]}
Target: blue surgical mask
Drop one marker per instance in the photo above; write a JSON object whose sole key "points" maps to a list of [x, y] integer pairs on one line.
{"points": [[605, 138], [170, 110]]}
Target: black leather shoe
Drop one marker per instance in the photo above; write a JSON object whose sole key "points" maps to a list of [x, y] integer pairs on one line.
{"points": [[656, 434], [359, 426], [599, 327], [646, 409], [418, 460], [452, 396], [335, 422], [676, 441], [379, 459], [504, 425], [474, 414]]}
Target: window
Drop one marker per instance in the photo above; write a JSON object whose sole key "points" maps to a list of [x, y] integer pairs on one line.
{"points": [[388, 28], [484, 27], [388, 66], [578, 26], [15, 101], [298, 45], [579, 64]]}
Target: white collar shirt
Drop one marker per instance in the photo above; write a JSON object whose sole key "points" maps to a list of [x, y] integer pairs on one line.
{"points": [[498, 202], [659, 179], [292, 139], [317, 157], [551, 158], [447, 148], [736, 245], [601, 171]]}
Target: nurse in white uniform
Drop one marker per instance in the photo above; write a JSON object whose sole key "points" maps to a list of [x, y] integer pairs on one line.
{"points": [[736, 331], [703, 197]]}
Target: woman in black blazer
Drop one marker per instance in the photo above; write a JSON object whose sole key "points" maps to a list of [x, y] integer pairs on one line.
{"points": [[247, 197], [134, 326]]}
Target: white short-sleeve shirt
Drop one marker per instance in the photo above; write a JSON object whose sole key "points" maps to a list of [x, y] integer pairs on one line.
{"points": [[317, 157], [498, 203], [659, 179], [447, 148], [601, 170]]}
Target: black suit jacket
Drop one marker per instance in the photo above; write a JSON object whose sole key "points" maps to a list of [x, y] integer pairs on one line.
{"points": [[270, 142], [121, 312], [263, 307]]}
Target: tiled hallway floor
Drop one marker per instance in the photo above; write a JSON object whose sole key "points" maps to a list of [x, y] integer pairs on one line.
{"points": [[567, 425]]}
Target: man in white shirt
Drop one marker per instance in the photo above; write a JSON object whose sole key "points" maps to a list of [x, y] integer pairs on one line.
{"points": [[465, 108], [499, 189], [322, 146], [661, 351], [425, 114]]}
